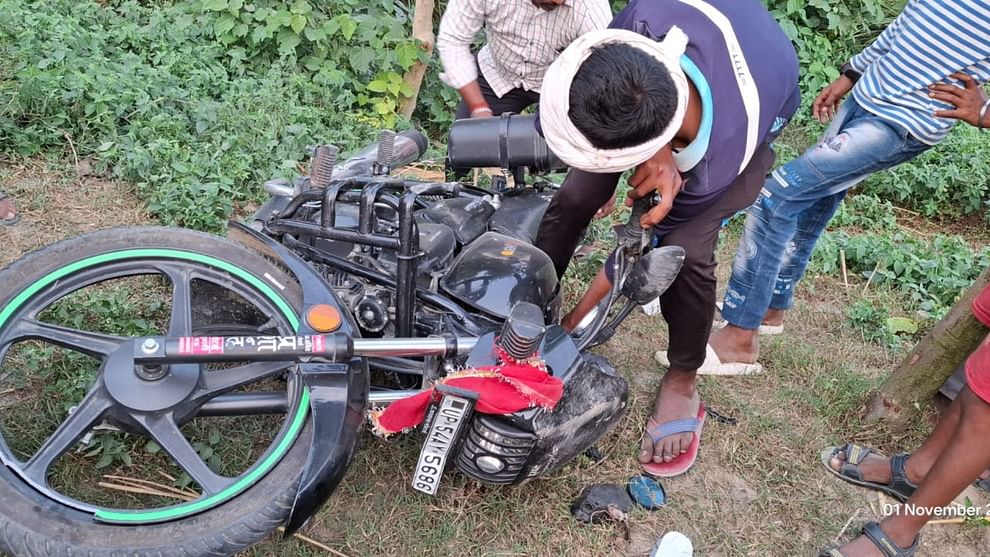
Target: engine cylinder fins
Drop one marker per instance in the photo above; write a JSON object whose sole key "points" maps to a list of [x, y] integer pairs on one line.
{"points": [[386, 151], [523, 331], [324, 159]]}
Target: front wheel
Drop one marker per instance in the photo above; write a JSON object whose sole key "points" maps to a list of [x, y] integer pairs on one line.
{"points": [[102, 457]]}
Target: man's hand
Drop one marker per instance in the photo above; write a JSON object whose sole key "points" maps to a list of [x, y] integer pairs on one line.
{"points": [[659, 174], [606, 209], [827, 102], [968, 101]]}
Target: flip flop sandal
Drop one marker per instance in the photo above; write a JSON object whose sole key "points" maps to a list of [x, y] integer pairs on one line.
{"points": [[684, 461], [883, 542], [12, 220], [714, 366], [899, 487]]}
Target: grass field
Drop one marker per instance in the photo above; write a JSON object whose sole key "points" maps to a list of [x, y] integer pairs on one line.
{"points": [[758, 488]]}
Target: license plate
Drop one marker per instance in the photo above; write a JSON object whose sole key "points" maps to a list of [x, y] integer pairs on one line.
{"points": [[449, 418]]}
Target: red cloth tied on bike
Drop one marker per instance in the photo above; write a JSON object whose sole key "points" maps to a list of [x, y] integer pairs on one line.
{"points": [[505, 388]]}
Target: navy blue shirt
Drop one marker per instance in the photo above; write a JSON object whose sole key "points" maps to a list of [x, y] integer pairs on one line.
{"points": [[752, 71]]}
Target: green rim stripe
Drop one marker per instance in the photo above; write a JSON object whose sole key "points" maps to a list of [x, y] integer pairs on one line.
{"points": [[273, 458], [136, 253], [245, 482]]}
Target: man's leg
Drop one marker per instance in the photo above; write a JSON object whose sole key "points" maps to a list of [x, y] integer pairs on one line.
{"points": [[794, 194], [799, 250], [569, 213], [689, 304], [964, 456]]}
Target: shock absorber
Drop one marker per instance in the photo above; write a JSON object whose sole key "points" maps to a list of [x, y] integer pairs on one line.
{"points": [[324, 159], [386, 150]]}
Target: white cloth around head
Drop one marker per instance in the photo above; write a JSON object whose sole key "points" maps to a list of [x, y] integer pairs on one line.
{"points": [[566, 141]]}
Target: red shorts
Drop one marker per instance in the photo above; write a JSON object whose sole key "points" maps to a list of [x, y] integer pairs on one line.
{"points": [[978, 364]]}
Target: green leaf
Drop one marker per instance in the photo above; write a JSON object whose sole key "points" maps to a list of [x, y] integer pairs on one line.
{"points": [[259, 34], [105, 146], [105, 460], [214, 437], [347, 26], [224, 24], [315, 34], [215, 5], [902, 325], [298, 23], [377, 86], [287, 41], [151, 447], [301, 7], [361, 60]]}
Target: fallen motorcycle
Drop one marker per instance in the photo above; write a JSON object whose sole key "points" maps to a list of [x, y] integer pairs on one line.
{"points": [[234, 391]]}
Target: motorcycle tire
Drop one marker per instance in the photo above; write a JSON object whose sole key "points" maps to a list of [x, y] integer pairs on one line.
{"points": [[33, 523]]}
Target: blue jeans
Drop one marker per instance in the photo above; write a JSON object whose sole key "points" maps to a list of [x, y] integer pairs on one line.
{"points": [[796, 203]]}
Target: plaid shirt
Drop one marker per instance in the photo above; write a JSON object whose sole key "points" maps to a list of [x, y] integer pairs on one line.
{"points": [[523, 40]]}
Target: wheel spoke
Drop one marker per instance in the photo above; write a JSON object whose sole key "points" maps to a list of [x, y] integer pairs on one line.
{"points": [[89, 343], [78, 423], [180, 322], [165, 432], [213, 383]]}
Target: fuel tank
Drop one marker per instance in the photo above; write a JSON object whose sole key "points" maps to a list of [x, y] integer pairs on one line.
{"points": [[495, 272]]}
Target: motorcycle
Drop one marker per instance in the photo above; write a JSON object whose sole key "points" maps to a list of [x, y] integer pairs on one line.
{"points": [[350, 288]]}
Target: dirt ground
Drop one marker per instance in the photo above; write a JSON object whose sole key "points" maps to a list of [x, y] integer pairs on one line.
{"points": [[758, 488]]}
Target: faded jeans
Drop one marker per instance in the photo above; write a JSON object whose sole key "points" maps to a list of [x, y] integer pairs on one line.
{"points": [[797, 202]]}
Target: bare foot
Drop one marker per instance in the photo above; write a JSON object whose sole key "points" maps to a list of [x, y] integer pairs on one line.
{"points": [[733, 344], [7, 211], [677, 399]]}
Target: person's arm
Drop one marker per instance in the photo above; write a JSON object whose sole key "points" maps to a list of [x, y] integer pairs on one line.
{"points": [[971, 103], [460, 23], [827, 102]]}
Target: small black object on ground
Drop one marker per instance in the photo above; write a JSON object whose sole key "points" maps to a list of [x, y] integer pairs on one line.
{"points": [[592, 505]]}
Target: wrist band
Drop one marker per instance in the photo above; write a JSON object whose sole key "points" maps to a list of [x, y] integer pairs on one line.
{"points": [[980, 122], [481, 109]]}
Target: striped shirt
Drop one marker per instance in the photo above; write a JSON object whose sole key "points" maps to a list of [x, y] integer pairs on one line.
{"points": [[523, 40], [929, 40]]}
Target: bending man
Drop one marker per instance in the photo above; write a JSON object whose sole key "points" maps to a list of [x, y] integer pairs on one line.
{"points": [[689, 93]]}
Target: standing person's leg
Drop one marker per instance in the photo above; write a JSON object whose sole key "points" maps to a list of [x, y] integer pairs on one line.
{"points": [[569, 213], [965, 456], [865, 144], [688, 306], [798, 253]]}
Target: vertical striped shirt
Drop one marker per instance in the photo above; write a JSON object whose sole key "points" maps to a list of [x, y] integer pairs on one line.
{"points": [[929, 41], [523, 40]]}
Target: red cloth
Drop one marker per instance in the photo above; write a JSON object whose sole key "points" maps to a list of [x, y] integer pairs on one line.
{"points": [[978, 363], [502, 389]]}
